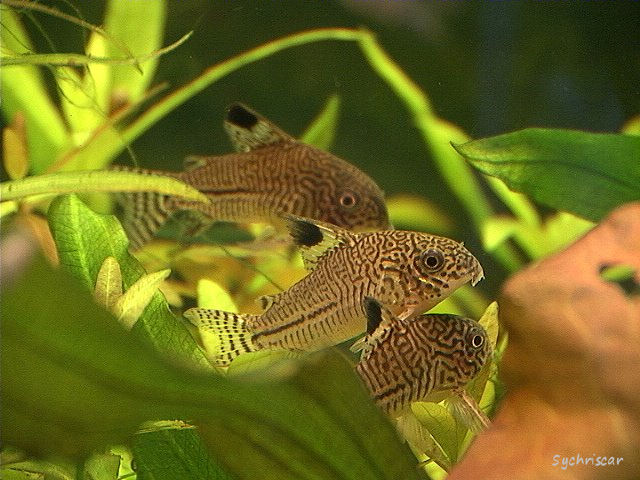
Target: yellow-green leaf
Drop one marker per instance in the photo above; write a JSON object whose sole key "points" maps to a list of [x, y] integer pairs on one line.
{"points": [[322, 130], [97, 181], [108, 283], [15, 151], [132, 303]]}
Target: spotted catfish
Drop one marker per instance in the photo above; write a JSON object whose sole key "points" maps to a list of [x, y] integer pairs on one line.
{"points": [[406, 361], [409, 272], [271, 174]]}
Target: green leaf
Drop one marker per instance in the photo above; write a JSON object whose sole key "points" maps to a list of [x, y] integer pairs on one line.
{"points": [[84, 240], [322, 131], [412, 212], [584, 173], [22, 90], [174, 450], [130, 306], [108, 283], [97, 181], [139, 26], [102, 466], [14, 148], [73, 380]]}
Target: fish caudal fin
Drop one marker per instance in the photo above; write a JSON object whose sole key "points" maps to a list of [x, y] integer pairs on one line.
{"points": [[143, 213], [235, 337]]}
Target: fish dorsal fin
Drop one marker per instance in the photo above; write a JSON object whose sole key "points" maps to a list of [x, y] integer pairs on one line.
{"points": [[315, 239], [248, 130], [379, 321]]}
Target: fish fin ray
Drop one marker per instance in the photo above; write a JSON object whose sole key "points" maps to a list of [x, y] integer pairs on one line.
{"points": [[233, 333], [314, 238], [193, 162], [379, 321], [467, 411], [143, 213], [248, 130]]}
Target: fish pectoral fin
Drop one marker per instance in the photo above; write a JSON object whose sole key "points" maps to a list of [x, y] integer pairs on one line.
{"points": [[467, 411], [248, 130], [314, 238], [266, 301], [192, 162]]}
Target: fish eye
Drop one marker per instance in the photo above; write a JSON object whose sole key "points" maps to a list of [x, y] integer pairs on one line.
{"points": [[348, 199], [433, 259], [477, 341]]}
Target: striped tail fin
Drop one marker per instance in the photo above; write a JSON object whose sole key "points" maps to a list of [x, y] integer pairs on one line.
{"points": [[235, 337], [143, 213]]}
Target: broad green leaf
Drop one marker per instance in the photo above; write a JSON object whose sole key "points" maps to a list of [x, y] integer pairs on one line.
{"points": [[14, 148], [132, 303], [322, 131], [73, 380], [139, 26], [584, 173], [37, 469], [84, 240], [97, 181], [22, 90], [489, 321], [632, 126], [416, 433], [108, 283], [103, 466], [412, 212], [496, 230], [13, 474], [174, 450]]}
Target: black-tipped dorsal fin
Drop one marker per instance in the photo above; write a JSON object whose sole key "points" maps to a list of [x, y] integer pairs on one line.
{"points": [[373, 311], [248, 130], [315, 238]]}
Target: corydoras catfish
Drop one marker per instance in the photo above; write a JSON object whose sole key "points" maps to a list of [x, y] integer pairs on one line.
{"points": [[271, 174], [409, 272]]}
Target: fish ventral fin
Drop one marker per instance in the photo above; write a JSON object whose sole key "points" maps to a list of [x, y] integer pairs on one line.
{"points": [[231, 328], [248, 130], [314, 239], [467, 410]]}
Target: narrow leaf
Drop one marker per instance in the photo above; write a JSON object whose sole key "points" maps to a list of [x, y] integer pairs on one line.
{"points": [[108, 283], [322, 130], [584, 173], [22, 90], [97, 181], [15, 150], [130, 306]]}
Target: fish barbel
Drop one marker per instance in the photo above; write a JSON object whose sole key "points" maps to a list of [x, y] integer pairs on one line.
{"points": [[409, 272], [405, 361], [271, 174]]}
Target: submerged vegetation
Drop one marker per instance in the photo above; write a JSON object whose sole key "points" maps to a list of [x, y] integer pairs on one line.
{"points": [[83, 397]]}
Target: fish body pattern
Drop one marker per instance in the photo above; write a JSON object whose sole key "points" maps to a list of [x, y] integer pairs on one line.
{"points": [[409, 272], [405, 361], [271, 174]]}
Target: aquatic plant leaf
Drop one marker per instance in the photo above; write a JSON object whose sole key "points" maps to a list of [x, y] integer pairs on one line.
{"points": [[571, 368], [102, 466], [15, 154], [108, 287], [84, 240], [140, 27], [173, 449], [73, 380], [97, 181], [132, 303], [322, 130], [584, 173], [23, 90], [412, 212]]}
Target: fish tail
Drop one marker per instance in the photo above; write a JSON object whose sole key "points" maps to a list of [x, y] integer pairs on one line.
{"points": [[231, 328], [143, 213]]}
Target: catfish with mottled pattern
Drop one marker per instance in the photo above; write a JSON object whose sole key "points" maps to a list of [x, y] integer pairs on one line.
{"points": [[409, 272], [407, 361], [271, 174]]}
